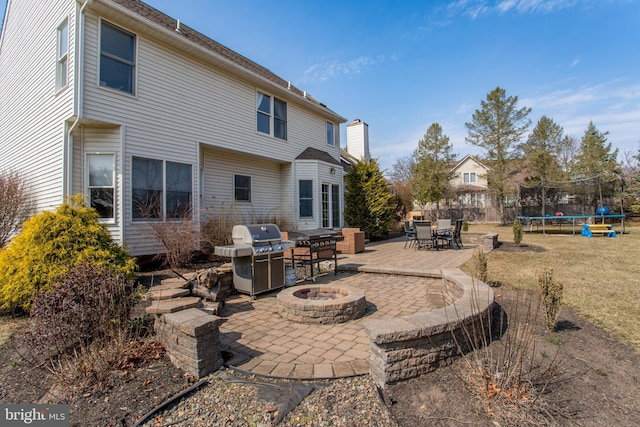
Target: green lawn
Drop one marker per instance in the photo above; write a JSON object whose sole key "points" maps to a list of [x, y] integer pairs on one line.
{"points": [[600, 275]]}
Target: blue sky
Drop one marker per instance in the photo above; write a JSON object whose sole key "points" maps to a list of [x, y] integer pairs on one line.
{"points": [[402, 65]]}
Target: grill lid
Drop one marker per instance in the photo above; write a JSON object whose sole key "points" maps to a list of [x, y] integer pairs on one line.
{"points": [[315, 234], [255, 234]]}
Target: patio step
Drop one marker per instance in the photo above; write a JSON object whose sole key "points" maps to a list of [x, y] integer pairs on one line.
{"points": [[172, 305], [162, 294], [174, 282]]}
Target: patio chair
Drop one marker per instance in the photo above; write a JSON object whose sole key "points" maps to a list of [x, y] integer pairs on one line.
{"points": [[409, 233], [457, 238], [444, 233], [425, 235]]}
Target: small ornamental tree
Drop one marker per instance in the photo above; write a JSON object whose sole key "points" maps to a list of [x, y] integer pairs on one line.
{"points": [[49, 245]]}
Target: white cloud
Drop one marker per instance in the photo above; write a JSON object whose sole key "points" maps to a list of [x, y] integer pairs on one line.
{"points": [[475, 8], [327, 70], [613, 107], [575, 62]]}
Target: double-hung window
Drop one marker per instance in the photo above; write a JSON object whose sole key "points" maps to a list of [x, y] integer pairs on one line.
{"points": [[469, 177], [117, 58], [331, 134], [271, 116], [101, 184], [242, 188], [62, 61], [305, 191], [160, 189]]}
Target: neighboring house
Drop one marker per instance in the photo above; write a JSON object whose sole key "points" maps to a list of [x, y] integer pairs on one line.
{"points": [[469, 184], [117, 101], [469, 194]]}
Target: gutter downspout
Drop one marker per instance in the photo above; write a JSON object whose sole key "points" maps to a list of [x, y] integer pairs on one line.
{"points": [[78, 83]]}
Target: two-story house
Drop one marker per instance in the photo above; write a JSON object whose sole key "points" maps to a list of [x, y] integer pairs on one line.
{"points": [[469, 183], [117, 101]]}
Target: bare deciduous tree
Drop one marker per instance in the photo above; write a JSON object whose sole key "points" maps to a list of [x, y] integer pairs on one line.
{"points": [[15, 205]]}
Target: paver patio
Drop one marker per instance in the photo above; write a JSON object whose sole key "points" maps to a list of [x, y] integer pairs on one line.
{"points": [[260, 341]]}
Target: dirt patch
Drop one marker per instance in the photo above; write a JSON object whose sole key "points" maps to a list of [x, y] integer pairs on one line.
{"points": [[512, 247], [597, 383]]}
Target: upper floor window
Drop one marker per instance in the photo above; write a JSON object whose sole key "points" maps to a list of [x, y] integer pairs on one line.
{"points": [[271, 116], [101, 184], [469, 177], [242, 188], [62, 56], [117, 58], [331, 135], [160, 189]]}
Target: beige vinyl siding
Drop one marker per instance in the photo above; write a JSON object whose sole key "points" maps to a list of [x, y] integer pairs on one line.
{"points": [[103, 140], [183, 106], [28, 92], [267, 197], [181, 95], [470, 166]]}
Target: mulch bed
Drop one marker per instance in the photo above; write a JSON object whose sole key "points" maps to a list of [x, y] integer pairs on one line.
{"points": [[597, 383]]}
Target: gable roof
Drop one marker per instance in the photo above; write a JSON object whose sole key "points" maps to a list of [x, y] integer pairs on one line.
{"points": [[180, 33], [467, 158]]}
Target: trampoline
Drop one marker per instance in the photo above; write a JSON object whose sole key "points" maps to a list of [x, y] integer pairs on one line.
{"points": [[529, 220]]}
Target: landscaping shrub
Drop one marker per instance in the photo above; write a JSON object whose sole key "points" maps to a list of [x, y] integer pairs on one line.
{"points": [[80, 326], [551, 297], [49, 244], [517, 232], [480, 267], [14, 204], [503, 368], [465, 225]]}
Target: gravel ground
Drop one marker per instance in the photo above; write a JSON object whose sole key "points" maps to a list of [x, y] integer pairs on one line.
{"points": [[233, 399]]}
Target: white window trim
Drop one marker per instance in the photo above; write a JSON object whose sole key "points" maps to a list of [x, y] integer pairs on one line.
{"points": [[313, 198], [332, 143], [233, 184], [134, 93], [62, 59], [271, 116], [163, 210], [109, 221]]}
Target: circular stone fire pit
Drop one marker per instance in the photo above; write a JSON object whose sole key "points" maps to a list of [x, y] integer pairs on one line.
{"points": [[321, 304]]}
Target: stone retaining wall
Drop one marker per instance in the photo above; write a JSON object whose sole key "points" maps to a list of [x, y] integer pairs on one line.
{"points": [[192, 340], [488, 241], [408, 346]]}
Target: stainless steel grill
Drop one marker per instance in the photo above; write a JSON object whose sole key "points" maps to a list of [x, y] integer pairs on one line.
{"points": [[257, 257], [317, 245]]}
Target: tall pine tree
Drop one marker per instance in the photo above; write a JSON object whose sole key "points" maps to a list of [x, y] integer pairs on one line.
{"points": [[497, 127], [432, 168]]}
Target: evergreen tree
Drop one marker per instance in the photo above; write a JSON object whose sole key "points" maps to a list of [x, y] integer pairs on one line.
{"points": [[432, 169], [596, 157], [497, 127], [368, 202], [596, 162], [541, 150]]}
